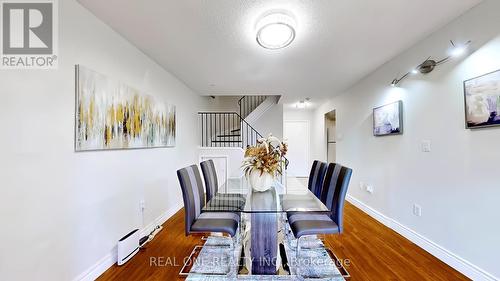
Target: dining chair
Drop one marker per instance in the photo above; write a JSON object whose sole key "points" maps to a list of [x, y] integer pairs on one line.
{"points": [[197, 221], [210, 177], [334, 191], [316, 177]]}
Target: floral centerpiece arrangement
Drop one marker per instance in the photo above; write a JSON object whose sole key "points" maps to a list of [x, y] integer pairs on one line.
{"points": [[264, 161]]}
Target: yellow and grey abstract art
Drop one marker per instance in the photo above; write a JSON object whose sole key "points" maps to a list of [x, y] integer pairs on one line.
{"points": [[112, 115]]}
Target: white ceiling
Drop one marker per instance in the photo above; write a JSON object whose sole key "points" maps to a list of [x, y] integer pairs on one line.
{"points": [[210, 44]]}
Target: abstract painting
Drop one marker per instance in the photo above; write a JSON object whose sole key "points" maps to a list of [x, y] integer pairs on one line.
{"points": [[482, 101], [112, 115], [388, 119]]}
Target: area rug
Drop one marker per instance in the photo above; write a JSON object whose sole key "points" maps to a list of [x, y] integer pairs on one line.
{"points": [[218, 261]]}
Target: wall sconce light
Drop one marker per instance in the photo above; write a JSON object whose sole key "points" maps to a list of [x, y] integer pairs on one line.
{"points": [[429, 64]]}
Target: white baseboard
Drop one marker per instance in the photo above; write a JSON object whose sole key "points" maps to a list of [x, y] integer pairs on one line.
{"points": [[465, 267], [98, 268], [370, 211], [160, 220], [110, 259]]}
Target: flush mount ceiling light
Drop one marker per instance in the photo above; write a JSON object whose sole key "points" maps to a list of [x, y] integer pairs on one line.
{"points": [[275, 31], [429, 64]]}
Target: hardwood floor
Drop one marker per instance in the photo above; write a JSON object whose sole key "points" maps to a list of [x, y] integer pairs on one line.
{"points": [[369, 250]]}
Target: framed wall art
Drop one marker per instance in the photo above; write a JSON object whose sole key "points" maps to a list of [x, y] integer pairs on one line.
{"points": [[482, 101], [388, 119], [113, 115]]}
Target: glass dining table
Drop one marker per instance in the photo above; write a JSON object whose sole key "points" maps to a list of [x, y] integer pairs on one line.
{"points": [[262, 217]]}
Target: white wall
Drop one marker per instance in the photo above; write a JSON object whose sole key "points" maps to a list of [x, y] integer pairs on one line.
{"points": [[457, 183], [221, 104], [62, 211], [271, 122]]}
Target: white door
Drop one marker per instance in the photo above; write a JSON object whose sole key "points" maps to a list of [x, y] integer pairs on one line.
{"points": [[297, 135]]}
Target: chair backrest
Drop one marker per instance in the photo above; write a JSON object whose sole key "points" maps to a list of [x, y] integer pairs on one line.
{"points": [[334, 191], [210, 177], [192, 194], [316, 177]]}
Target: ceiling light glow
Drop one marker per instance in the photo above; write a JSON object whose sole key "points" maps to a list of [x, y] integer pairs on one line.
{"points": [[458, 51], [301, 104], [275, 31]]}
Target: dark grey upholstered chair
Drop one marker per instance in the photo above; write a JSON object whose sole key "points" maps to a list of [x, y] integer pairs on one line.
{"points": [[194, 200], [334, 191], [210, 177], [316, 177]]}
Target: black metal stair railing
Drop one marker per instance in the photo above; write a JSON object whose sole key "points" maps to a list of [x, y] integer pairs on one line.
{"points": [[248, 104], [227, 129]]}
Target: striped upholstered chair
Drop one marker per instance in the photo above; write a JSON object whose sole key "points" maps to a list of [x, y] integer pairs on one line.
{"points": [[316, 177], [194, 200], [334, 191], [210, 177]]}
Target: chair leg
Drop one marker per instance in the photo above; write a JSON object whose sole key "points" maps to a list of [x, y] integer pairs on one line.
{"points": [[230, 246], [241, 227], [297, 253], [288, 233], [237, 238]]}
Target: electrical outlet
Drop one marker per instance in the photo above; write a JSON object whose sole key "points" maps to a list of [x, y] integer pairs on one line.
{"points": [[369, 188], [417, 210], [142, 203], [426, 146]]}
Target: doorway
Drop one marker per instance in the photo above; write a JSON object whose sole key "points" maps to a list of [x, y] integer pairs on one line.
{"points": [[297, 134], [331, 136]]}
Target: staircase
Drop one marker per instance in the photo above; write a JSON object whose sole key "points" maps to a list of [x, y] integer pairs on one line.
{"points": [[249, 103], [231, 129], [226, 129]]}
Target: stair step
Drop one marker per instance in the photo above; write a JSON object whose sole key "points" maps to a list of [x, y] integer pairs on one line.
{"points": [[235, 130], [228, 141], [228, 136]]}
